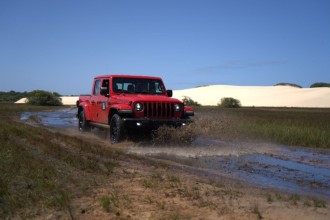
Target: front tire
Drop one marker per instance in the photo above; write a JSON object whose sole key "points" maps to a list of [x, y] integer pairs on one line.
{"points": [[116, 129], [83, 124]]}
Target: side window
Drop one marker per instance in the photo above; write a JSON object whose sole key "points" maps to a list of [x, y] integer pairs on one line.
{"points": [[105, 84], [97, 87]]}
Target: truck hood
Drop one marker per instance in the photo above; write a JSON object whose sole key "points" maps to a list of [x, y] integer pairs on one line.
{"points": [[147, 98]]}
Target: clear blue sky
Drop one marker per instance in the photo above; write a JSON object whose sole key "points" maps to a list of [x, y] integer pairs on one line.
{"points": [[60, 45]]}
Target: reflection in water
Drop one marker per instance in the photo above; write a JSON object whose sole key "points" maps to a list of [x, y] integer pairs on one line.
{"points": [[64, 118]]}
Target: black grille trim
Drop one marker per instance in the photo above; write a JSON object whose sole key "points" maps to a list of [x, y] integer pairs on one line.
{"points": [[158, 110]]}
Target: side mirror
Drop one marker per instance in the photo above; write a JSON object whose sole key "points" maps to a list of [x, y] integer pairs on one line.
{"points": [[169, 93], [104, 91]]}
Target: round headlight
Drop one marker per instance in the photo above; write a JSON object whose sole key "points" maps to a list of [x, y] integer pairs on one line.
{"points": [[177, 107], [138, 106]]}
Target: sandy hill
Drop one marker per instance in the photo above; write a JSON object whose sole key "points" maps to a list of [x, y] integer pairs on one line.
{"points": [[66, 100], [260, 96]]}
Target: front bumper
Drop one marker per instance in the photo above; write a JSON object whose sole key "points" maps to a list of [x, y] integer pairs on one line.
{"points": [[154, 123]]}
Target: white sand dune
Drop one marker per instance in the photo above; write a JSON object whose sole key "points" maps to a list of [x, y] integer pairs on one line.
{"points": [[66, 100], [258, 96]]}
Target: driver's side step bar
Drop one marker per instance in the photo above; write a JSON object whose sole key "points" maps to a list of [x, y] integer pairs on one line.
{"points": [[99, 125]]}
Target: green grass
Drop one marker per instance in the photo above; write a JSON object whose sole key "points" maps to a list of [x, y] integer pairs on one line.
{"points": [[24, 179], [106, 204], [256, 211], [319, 203], [41, 170], [110, 202], [297, 127]]}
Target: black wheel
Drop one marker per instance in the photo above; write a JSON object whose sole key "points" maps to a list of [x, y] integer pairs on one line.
{"points": [[83, 125], [116, 129]]}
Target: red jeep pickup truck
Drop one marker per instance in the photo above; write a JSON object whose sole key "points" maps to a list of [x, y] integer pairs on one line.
{"points": [[122, 102]]}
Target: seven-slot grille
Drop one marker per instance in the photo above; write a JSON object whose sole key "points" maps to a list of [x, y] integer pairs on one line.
{"points": [[158, 110]]}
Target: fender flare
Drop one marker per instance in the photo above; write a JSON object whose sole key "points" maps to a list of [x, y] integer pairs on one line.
{"points": [[122, 112], [84, 107]]}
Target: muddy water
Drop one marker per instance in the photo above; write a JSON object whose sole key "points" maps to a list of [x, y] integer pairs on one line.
{"points": [[295, 170], [65, 118]]}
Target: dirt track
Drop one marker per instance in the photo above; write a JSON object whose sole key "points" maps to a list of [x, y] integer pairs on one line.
{"points": [[264, 169]]}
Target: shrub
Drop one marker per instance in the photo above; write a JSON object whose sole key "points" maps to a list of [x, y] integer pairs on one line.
{"points": [[188, 101], [40, 97], [201, 86], [56, 94], [320, 84], [288, 84], [229, 103]]}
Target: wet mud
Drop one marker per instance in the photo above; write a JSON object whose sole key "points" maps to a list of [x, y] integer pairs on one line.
{"points": [[297, 170]]}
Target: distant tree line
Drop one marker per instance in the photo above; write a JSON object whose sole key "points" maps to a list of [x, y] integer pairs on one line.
{"points": [[314, 85], [288, 84], [12, 96], [35, 97], [320, 84]]}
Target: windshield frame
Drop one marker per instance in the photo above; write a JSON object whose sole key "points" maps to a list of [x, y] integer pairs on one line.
{"points": [[127, 85]]}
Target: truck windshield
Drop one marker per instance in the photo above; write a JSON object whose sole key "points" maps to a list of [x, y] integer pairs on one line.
{"points": [[137, 86]]}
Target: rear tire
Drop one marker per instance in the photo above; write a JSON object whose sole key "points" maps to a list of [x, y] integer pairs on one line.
{"points": [[116, 129], [83, 124]]}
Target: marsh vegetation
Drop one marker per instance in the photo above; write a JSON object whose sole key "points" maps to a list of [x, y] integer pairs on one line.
{"points": [[49, 173], [287, 126], [297, 127]]}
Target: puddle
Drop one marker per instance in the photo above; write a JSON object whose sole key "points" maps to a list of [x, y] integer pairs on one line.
{"points": [[271, 170], [64, 118], [296, 170], [265, 170]]}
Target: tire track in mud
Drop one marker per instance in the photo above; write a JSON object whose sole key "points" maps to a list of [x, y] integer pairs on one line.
{"points": [[289, 169]]}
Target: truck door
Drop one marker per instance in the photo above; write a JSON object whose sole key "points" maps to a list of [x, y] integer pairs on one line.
{"points": [[94, 99], [103, 102]]}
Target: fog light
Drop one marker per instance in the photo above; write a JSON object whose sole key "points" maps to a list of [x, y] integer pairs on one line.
{"points": [[139, 124]]}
